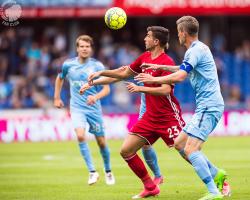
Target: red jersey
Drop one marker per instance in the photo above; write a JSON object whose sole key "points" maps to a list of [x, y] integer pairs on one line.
{"points": [[160, 110]]}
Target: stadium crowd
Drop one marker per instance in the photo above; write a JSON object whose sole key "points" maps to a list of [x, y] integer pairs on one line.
{"points": [[30, 62]]}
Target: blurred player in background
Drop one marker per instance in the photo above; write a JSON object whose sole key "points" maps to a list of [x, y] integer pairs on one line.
{"points": [[199, 65], [85, 108], [162, 117]]}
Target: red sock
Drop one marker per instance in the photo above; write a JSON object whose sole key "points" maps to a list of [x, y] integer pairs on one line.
{"points": [[137, 166]]}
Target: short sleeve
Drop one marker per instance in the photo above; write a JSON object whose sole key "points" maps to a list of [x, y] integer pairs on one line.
{"points": [[64, 71], [135, 66], [191, 57]]}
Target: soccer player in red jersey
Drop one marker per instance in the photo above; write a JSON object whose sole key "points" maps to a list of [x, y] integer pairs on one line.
{"points": [[162, 118]]}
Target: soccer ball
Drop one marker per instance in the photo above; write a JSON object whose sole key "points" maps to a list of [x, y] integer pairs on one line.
{"points": [[115, 18]]}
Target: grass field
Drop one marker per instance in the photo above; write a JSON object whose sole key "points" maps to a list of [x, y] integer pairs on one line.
{"points": [[55, 171]]}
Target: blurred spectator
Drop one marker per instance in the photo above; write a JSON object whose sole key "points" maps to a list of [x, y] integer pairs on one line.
{"points": [[235, 98], [45, 59], [60, 43], [126, 54], [107, 50], [218, 44], [22, 93], [3, 67], [243, 51]]}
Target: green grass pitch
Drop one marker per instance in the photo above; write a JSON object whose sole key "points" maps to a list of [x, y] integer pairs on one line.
{"points": [[55, 171]]}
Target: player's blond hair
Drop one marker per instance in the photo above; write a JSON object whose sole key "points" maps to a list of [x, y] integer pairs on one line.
{"points": [[188, 24], [85, 38]]}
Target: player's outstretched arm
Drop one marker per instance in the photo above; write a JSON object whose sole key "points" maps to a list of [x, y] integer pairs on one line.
{"points": [[175, 77], [105, 81], [171, 68], [99, 81], [164, 89], [120, 73], [57, 94]]}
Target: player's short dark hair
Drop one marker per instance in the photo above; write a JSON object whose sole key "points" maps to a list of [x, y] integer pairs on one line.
{"points": [[161, 33], [85, 38], [188, 24]]}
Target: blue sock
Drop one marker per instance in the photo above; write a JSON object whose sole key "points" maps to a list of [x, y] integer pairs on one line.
{"points": [[84, 149], [151, 160], [213, 169], [106, 158], [200, 166]]}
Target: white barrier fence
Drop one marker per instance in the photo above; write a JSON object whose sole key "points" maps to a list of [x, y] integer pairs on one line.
{"points": [[55, 125]]}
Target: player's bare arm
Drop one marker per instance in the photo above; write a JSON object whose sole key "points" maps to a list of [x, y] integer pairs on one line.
{"points": [[99, 81], [164, 89], [120, 73], [171, 68], [176, 77], [57, 94], [91, 99]]}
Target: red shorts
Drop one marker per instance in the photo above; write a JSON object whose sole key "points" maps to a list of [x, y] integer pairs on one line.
{"points": [[152, 131]]}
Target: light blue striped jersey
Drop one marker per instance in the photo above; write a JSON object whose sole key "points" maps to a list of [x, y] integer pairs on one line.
{"points": [[77, 75], [203, 76]]}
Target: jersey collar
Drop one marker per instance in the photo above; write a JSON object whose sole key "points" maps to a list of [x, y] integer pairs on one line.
{"points": [[86, 61], [194, 43]]}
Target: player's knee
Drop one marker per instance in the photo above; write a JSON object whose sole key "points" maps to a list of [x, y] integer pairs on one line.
{"points": [[101, 141], [146, 147], [102, 144], [80, 134], [125, 153], [81, 137], [178, 146]]}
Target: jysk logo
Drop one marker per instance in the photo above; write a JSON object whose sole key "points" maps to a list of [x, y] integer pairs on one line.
{"points": [[10, 12]]}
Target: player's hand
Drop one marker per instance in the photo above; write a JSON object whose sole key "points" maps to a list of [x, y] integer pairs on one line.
{"points": [[84, 87], [132, 87], [93, 76], [144, 78], [91, 100], [58, 103]]}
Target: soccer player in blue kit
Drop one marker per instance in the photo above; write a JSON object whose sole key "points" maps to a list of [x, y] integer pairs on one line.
{"points": [[85, 108], [200, 67]]}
